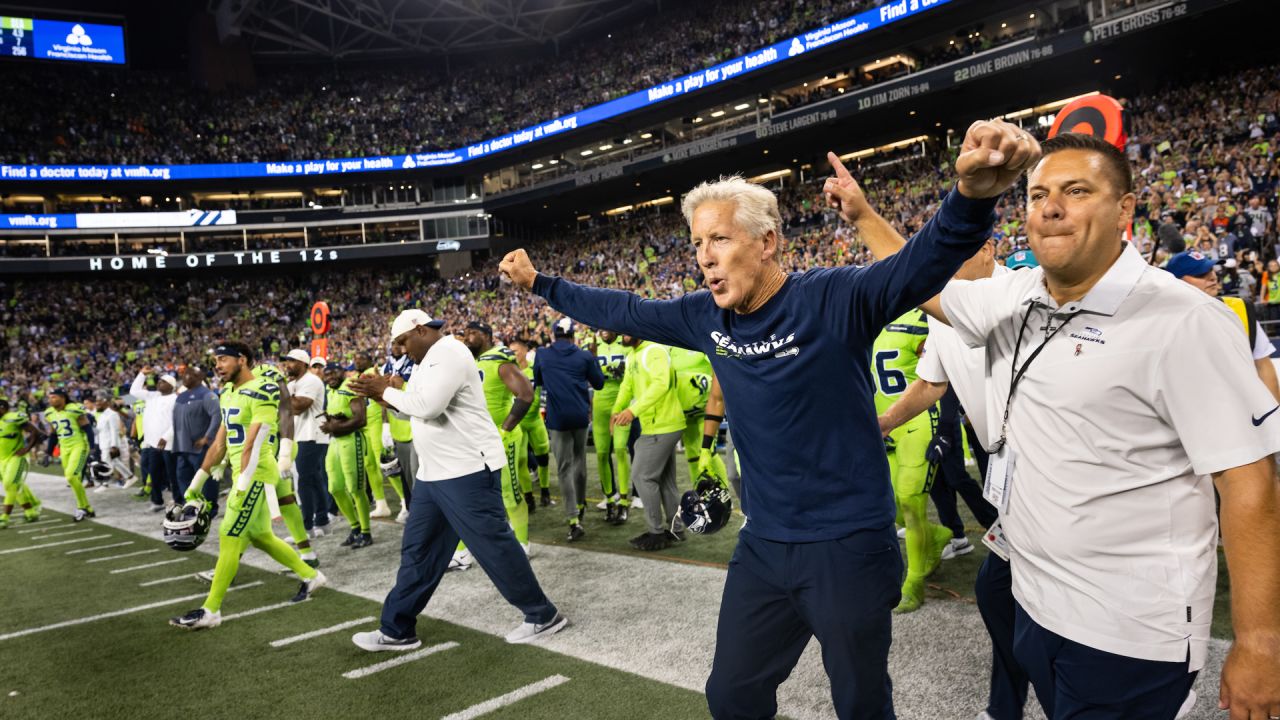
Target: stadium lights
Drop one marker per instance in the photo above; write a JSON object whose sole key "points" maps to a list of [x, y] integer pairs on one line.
{"points": [[1032, 16], [742, 106], [717, 113], [1004, 25], [697, 119], [645, 136], [763, 101], [537, 166], [770, 176], [553, 162], [585, 153], [627, 141], [619, 210], [605, 147]]}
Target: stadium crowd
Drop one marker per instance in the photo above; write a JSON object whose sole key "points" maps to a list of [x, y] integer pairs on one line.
{"points": [[144, 117]]}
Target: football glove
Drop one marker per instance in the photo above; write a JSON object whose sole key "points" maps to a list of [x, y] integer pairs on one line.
{"points": [[711, 465], [938, 449]]}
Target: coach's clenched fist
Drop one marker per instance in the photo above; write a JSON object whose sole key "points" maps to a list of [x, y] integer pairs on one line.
{"points": [[993, 155], [517, 266]]}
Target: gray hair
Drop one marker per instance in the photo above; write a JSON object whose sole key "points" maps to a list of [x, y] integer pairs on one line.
{"points": [[756, 207]]}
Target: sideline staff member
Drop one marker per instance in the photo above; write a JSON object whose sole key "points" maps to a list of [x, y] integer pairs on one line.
{"points": [[1100, 369]]}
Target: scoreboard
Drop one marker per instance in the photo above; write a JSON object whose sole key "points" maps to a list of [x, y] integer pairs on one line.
{"points": [[65, 40]]}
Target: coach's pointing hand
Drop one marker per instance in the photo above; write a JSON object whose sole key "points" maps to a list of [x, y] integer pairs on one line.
{"points": [[843, 193], [992, 157], [517, 266]]}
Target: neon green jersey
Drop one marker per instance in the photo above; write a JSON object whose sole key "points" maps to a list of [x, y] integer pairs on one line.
{"points": [[496, 395], [693, 379], [138, 407], [373, 418], [270, 372], [11, 433], [894, 357], [537, 396], [66, 425], [256, 401], [612, 359], [337, 402]]}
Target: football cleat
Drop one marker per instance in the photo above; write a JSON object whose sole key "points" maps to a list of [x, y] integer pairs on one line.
{"points": [[380, 509], [198, 619], [956, 547], [620, 516], [707, 509], [308, 587], [575, 533], [363, 541], [185, 527], [352, 537], [546, 500], [79, 515], [530, 502]]}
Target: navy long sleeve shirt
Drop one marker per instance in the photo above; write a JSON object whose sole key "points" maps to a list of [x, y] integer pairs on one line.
{"points": [[796, 372], [565, 370], [195, 415]]}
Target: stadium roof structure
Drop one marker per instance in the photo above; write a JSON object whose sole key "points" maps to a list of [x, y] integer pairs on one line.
{"points": [[353, 29]]}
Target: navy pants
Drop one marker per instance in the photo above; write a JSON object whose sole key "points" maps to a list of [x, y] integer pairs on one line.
{"points": [[994, 591], [153, 466], [468, 507], [778, 595], [1077, 682], [313, 490], [955, 479]]}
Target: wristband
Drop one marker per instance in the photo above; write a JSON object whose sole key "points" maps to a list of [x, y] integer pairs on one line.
{"points": [[708, 442], [285, 455], [717, 418], [244, 482]]}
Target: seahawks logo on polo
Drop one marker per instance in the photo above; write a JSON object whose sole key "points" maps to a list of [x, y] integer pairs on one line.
{"points": [[1090, 334], [726, 347]]}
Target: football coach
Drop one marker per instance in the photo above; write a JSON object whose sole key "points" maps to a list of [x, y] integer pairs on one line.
{"points": [[819, 555]]}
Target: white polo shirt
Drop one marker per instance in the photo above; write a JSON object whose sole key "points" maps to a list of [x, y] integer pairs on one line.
{"points": [[950, 360], [453, 433], [1115, 428], [306, 424]]}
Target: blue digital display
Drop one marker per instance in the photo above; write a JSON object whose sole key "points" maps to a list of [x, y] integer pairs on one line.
{"points": [[78, 42], [842, 30]]}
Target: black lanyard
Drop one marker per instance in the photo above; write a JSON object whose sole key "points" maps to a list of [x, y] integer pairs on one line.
{"points": [[1016, 373]]}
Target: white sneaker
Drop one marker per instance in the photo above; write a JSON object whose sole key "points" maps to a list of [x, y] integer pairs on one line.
{"points": [[102, 487], [380, 510], [461, 560], [637, 503], [308, 587], [198, 619], [902, 533], [1187, 705], [603, 504], [79, 515], [315, 532], [403, 516], [130, 482], [530, 632], [375, 641], [205, 576], [956, 548]]}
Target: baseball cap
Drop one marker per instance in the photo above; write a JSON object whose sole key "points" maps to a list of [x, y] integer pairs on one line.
{"points": [[318, 361], [332, 366], [564, 327], [298, 354], [477, 325], [1189, 262], [1021, 259], [410, 319], [167, 378], [59, 391]]}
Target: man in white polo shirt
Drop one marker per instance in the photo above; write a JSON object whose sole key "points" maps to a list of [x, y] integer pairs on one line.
{"points": [[1114, 393], [459, 495], [306, 402]]}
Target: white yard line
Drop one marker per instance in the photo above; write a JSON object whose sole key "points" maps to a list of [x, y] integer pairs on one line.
{"points": [[100, 547], [255, 611], [510, 698], [62, 534], [117, 571], [54, 544], [135, 553], [45, 526], [117, 613], [322, 631], [394, 662], [149, 583]]}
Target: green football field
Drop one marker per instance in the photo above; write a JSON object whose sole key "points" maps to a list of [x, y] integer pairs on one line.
{"points": [[83, 631]]}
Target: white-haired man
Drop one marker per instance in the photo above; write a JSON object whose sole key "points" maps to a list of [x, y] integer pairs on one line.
{"points": [[819, 555]]}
